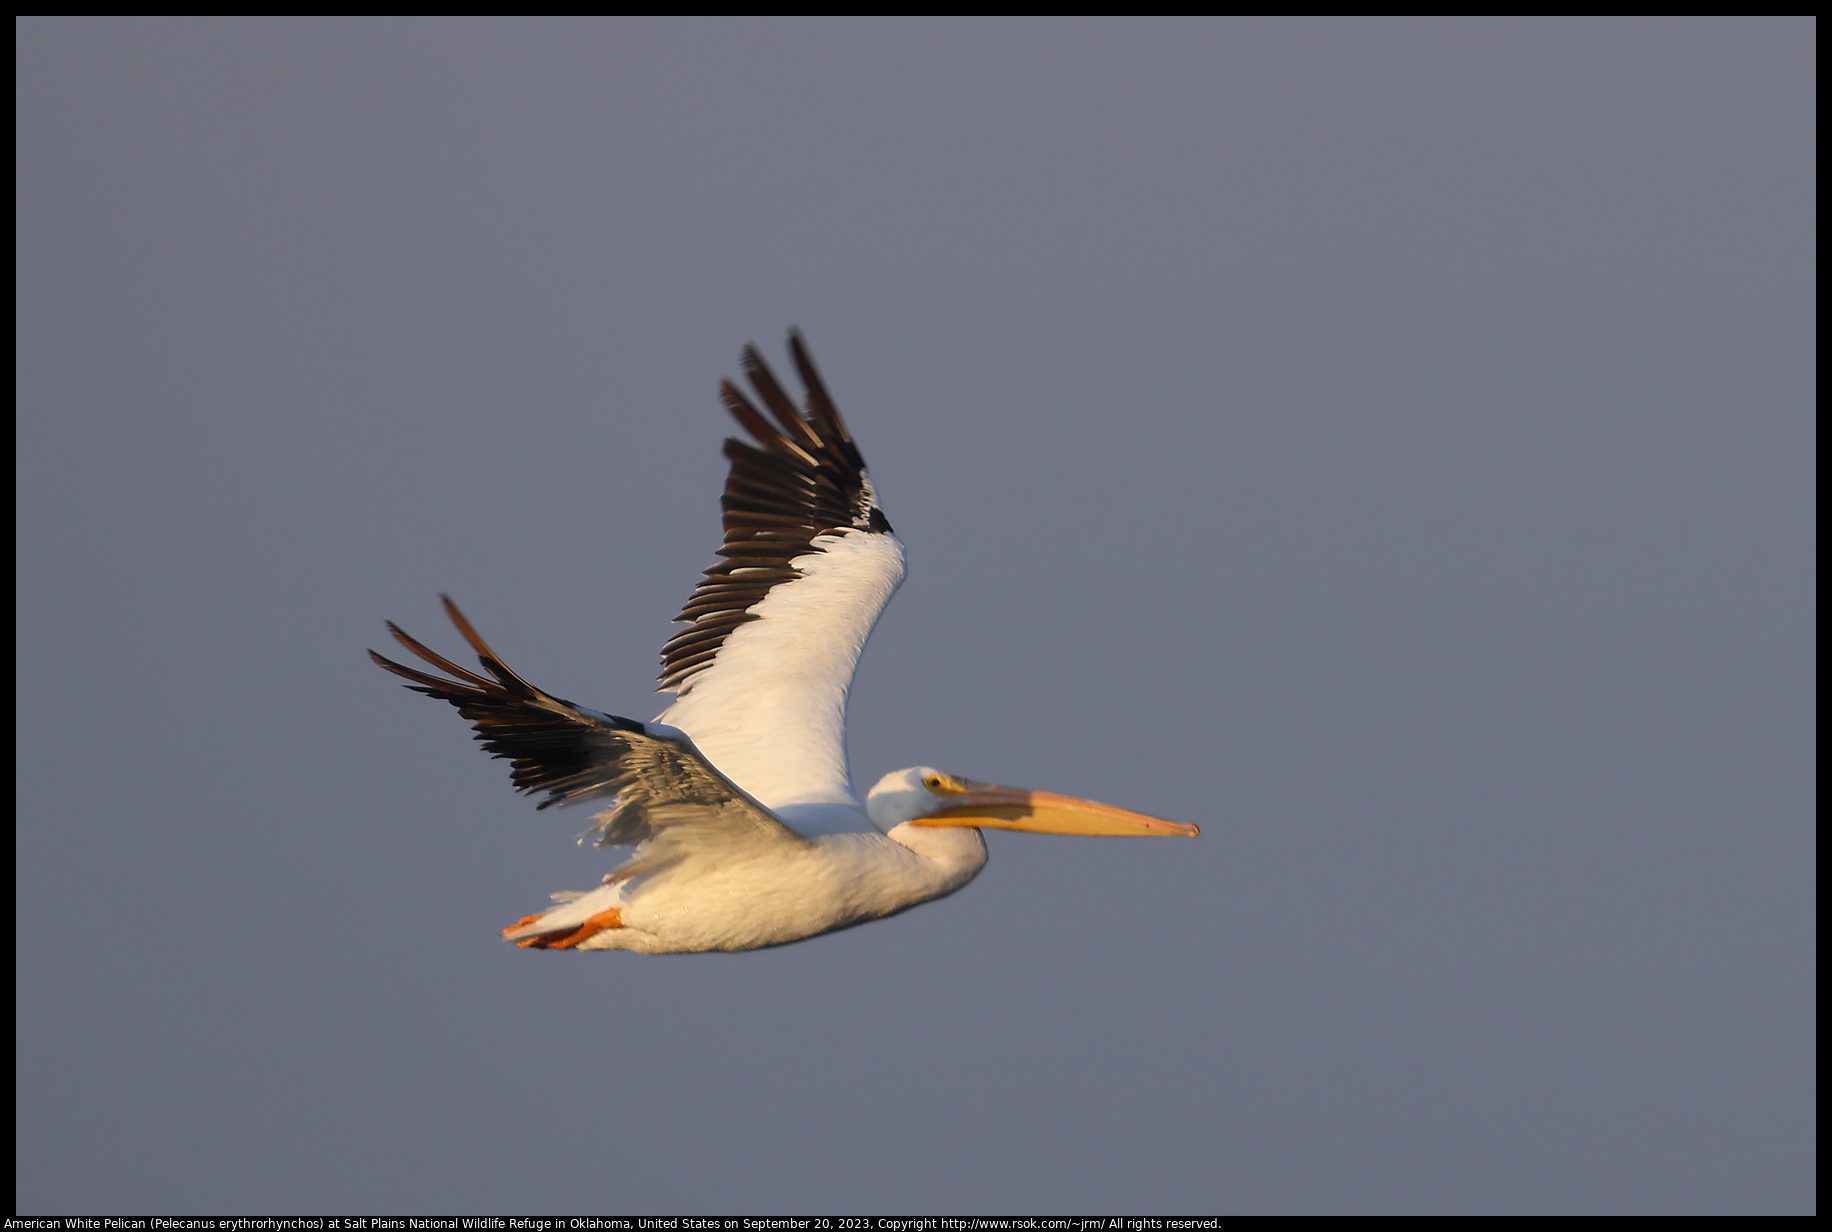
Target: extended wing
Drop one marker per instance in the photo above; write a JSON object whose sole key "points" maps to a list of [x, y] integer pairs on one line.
{"points": [[775, 629], [664, 788]]}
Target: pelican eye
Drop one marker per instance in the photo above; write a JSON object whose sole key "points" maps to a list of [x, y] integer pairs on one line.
{"points": [[942, 785]]}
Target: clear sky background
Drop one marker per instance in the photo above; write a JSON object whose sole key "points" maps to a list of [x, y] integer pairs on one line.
{"points": [[1386, 443]]}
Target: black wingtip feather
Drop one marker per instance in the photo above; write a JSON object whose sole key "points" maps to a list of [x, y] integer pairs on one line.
{"points": [[799, 481], [553, 746]]}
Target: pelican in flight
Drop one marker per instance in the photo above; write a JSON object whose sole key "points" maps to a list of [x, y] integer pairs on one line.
{"points": [[737, 798]]}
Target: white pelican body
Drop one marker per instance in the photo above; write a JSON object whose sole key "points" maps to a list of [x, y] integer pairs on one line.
{"points": [[787, 893], [737, 797]]}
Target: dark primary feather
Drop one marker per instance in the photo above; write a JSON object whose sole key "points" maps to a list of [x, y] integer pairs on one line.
{"points": [[803, 478], [572, 753]]}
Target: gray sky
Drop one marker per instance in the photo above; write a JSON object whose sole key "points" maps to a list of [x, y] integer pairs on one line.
{"points": [[1386, 443]]}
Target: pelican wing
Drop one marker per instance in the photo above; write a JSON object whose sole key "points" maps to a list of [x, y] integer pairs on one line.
{"points": [[803, 480], [775, 629], [657, 777]]}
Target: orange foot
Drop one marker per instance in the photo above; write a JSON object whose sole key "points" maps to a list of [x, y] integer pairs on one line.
{"points": [[560, 940]]}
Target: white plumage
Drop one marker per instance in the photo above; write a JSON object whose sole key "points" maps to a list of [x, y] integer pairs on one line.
{"points": [[737, 798], [772, 714]]}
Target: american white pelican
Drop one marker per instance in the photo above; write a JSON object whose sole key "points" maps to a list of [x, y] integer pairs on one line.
{"points": [[733, 794]]}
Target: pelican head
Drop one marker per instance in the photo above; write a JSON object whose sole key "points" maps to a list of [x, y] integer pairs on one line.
{"points": [[925, 796]]}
